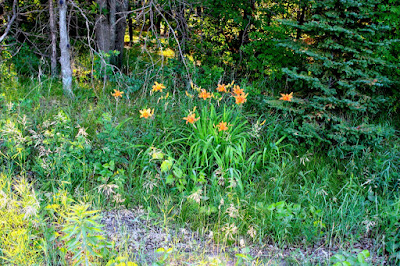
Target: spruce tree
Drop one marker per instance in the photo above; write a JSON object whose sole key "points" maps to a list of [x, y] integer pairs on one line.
{"points": [[340, 86]]}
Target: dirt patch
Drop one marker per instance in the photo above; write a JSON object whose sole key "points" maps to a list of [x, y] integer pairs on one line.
{"points": [[136, 233]]}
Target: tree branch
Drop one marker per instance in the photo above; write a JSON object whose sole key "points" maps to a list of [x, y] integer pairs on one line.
{"points": [[176, 39], [9, 24]]}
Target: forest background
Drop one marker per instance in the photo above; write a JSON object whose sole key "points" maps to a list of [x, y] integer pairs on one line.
{"points": [[256, 122]]}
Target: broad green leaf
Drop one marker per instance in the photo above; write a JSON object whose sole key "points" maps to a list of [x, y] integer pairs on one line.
{"points": [[166, 165]]}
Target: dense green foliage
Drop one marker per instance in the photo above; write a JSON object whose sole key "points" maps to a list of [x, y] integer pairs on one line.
{"points": [[343, 72], [192, 131]]}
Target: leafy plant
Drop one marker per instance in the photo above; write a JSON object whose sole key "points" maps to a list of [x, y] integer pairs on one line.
{"points": [[84, 236], [163, 256], [110, 140], [244, 258], [347, 259]]}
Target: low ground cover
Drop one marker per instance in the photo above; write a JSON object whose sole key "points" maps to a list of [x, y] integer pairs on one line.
{"points": [[183, 161]]}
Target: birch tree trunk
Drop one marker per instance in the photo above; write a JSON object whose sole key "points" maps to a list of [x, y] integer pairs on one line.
{"points": [[65, 59], [53, 37]]}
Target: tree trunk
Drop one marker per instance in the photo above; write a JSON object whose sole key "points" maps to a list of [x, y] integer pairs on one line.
{"points": [[65, 59], [53, 37], [243, 37], [103, 28], [158, 25], [300, 19], [119, 39], [111, 28], [112, 18], [198, 11]]}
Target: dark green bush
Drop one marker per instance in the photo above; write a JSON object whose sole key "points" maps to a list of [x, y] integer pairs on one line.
{"points": [[26, 63], [341, 86]]}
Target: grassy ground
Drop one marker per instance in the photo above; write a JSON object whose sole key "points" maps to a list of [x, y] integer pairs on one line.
{"points": [[245, 194]]}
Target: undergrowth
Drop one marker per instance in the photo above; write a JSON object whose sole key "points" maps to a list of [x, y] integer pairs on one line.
{"points": [[222, 170]]}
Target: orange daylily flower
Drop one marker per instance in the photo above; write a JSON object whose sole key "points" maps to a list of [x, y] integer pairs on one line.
{"points": [[241, 98], [158, 86], [221, 88], [286, 97], [191, 118], [222, 126], [237, 90], [146, 113], [204, 94], [117, 94]]}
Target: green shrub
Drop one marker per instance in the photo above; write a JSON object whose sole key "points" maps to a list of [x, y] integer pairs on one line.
{"points": [[341, 85], [26, 62], [7, 71]]}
